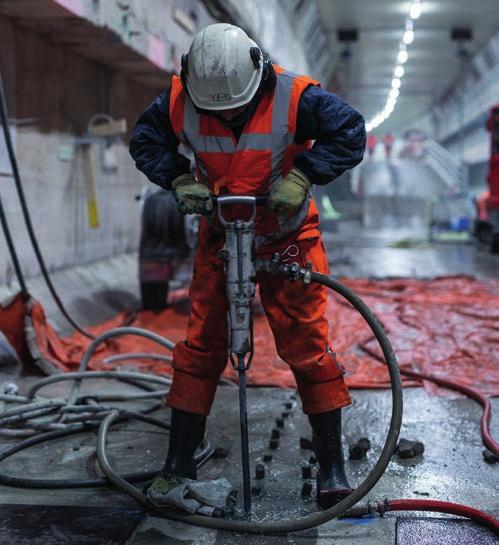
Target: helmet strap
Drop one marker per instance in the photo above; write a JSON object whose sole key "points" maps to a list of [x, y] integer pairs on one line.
{"points": [[183, 71], [269, 77]]}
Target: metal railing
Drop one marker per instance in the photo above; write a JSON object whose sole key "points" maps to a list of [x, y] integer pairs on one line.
{"points": [[450, 169]]}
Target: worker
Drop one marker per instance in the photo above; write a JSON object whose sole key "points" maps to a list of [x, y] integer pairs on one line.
{"points": [[371, 144], [250, 125], [388, 141]]}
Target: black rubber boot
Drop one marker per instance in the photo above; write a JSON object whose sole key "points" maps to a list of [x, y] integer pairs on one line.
{"points": [[186, 434], [332, 484]]}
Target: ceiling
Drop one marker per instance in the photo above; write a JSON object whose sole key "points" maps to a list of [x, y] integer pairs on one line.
{"points": [[433, 67]]}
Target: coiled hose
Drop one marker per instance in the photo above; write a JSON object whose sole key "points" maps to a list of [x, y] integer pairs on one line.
{"points": [[57, 418]]}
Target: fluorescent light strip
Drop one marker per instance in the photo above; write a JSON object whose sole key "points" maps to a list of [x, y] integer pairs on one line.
{"points": [[398, 72]]}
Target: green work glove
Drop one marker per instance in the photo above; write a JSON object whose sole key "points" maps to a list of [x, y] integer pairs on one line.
{"points": [[192, 197], [289, 193]]}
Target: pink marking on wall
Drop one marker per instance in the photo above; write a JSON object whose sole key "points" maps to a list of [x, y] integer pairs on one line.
{"points": [[156, 51], [74, 6]]}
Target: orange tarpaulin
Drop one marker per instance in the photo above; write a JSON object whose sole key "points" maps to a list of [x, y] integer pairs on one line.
{"points": [[447, 326]]}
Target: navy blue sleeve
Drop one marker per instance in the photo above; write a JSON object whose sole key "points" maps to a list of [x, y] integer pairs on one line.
{"points": [[154, 145], [339, 133]]}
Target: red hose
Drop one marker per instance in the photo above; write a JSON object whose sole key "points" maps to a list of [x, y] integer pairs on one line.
{"points": [[440, 507], [487, 438]]}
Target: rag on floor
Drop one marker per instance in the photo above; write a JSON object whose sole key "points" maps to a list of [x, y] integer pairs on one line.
{"points": [[211, 498]]}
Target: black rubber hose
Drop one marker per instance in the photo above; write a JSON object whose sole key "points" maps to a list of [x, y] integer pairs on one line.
{"points": [[314, 519], [4, 118], [26, 482], [13, 253]]}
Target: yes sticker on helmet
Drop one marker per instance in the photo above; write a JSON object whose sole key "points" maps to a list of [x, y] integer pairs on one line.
{"points": [[220, 97]]}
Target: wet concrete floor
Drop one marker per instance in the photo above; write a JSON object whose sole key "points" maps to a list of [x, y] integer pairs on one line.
{"points": [[451, 468], [356, 251]]}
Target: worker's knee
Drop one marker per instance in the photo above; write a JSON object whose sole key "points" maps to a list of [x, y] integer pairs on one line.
{"points": [[196, 373], [324, 396], [321, 384], [209, 361], [318, 369], [302, 343]]}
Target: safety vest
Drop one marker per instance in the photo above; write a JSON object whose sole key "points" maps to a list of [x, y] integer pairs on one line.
{"points": [[264, 153]]}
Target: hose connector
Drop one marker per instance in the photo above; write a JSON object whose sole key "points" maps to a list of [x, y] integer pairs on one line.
{"points": [[276, 267]]}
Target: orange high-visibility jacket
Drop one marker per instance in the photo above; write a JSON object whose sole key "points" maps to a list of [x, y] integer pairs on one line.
{"points": [[264, 153]]}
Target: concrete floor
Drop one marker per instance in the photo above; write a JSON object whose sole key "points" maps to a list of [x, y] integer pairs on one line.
{"points": [[436, 474], [356, 251], [450, 469]]}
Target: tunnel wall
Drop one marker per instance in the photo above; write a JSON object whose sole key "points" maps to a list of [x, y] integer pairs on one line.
{"points": [[51, 94]]}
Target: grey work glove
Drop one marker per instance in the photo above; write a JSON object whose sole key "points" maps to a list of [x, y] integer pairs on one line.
{"points": [[288, 194], [192, 197]]}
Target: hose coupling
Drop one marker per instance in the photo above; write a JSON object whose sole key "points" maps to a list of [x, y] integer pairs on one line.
{"points": [[276, 266], [382, 507]]}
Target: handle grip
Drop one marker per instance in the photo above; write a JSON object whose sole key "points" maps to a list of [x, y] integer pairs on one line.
{"points": [[258, 200], [252, 200]]}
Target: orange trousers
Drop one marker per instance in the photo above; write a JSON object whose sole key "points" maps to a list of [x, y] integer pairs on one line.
{"points": [[297, 317]]}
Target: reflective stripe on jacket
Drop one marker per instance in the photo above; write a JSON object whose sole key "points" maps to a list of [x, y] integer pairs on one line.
{"points": [[263, 154]]}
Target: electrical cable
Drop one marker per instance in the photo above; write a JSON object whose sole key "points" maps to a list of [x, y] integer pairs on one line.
{"points": [[135, 356], [4, 119], [13, 253], [80, 375]]}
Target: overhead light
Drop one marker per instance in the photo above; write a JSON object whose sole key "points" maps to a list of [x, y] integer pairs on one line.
{"points": [[399, 71], [391, 102], [408, 37], [415, 10]]}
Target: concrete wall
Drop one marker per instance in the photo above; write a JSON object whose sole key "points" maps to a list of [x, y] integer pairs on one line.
{"points": [[51, 94]]}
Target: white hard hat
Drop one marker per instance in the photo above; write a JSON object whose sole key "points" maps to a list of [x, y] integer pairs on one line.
{"points": [[221, 70]]}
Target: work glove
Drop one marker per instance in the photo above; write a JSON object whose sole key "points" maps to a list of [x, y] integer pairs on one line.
{"points": [[288, 194], [192, 197]]}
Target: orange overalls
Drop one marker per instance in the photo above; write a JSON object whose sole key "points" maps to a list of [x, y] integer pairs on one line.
{"points": [[263, 154]]}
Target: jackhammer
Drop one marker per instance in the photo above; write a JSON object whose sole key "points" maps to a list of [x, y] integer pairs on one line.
{"points": [[238, 255]]}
